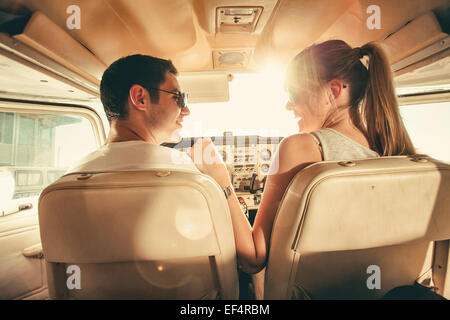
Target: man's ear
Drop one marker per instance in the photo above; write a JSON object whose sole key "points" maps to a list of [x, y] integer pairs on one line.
{"points": [[137, 96], [336, 87]]}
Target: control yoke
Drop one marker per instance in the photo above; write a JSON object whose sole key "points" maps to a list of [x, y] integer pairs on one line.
{"points": [[252, 184]]}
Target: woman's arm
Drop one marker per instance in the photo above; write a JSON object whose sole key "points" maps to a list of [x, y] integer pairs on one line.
{"points": [[294, 153], [252, 244]]}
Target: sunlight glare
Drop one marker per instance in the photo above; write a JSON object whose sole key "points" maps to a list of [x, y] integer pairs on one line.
{"points": [[256, 107]]}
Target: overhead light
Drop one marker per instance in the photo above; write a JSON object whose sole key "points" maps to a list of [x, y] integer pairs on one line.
{"points": [[229, 59], [237, 19]]}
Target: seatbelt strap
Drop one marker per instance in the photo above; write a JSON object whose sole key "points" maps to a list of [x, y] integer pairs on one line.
{"points": [[441, 274], [318, 143]]}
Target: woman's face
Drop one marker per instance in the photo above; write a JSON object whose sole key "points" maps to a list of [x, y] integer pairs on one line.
{"points": [[310, 110]]}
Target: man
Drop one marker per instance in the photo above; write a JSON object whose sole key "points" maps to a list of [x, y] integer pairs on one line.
{"points": [[145, 108]]}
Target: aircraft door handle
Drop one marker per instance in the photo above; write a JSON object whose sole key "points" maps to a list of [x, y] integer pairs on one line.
{"points": [[34, 252]]}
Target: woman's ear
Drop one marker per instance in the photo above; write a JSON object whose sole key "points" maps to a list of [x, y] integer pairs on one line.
{"points": [[137, 97], [336, 86]]}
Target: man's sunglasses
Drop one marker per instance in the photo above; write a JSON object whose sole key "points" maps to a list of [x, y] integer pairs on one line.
{"points": [[180, 97]]}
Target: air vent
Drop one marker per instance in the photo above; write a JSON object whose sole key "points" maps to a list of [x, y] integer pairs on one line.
{"points": [[231, 59], [237, 19]]}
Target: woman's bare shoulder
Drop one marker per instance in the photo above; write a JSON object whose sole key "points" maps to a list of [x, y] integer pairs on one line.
{"points": [[297, 149], [302, 143]]}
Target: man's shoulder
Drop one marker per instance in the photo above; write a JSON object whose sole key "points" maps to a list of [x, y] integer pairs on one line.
{"points": [[134, 155]]}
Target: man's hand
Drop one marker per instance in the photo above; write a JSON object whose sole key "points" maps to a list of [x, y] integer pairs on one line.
{"points": [[207, 160]]}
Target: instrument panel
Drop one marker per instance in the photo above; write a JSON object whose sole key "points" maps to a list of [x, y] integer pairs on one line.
{"points": [[248, 160]]}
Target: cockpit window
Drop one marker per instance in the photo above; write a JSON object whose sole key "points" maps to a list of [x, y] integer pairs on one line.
{"points": [[256, 107], [37, 148], [428, 127]]}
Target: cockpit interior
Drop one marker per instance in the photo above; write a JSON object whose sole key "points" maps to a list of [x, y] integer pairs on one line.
{"points": [[349, 229]]}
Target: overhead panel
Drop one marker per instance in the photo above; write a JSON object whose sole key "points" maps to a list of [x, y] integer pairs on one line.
{"points": [[401, 44], [425, 85], [232, 28], [112, 29], [61, 47], [298, 24], [259, 11], [237, 19], [427, 67], [436, 75], [23, 80]]}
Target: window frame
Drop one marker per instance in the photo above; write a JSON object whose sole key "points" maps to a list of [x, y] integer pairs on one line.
{"points": [[35, 107], [40, 107]]}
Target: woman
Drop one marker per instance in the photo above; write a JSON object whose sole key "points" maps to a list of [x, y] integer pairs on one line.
{"points": [[346, 110]]}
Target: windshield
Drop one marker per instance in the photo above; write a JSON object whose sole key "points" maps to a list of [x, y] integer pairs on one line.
{"points": [[256, 107]]}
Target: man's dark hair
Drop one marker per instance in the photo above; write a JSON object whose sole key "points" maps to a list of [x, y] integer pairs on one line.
{"points": [[146, 71]]}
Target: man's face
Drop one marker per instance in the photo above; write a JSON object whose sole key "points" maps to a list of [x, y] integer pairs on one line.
{"points": [[166, 117]]}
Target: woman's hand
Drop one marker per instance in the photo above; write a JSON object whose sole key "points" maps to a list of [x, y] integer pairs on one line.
{"points": [[207, 159]]}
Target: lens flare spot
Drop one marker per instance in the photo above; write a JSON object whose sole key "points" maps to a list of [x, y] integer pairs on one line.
{"points": [[193, 224]]}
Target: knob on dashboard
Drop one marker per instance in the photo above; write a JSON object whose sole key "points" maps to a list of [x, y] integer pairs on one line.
{"points": [[265, 168], [223, 154], [265, 154]]}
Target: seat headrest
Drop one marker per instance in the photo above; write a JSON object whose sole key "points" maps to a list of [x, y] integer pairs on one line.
{"points": [[133, 216], [366, 203]]}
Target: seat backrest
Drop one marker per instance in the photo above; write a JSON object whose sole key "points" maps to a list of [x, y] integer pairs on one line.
{"points": [[144, 234], [342, 226]]}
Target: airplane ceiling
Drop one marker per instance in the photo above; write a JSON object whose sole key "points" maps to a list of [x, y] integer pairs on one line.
{"points": [[201, 35], [184, 30]]}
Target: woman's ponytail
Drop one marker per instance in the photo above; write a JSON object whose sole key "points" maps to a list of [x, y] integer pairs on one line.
{"points": [[379, 110]]}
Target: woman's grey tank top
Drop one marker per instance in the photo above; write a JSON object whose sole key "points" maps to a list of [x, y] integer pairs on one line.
{"points": [[336, 146]]}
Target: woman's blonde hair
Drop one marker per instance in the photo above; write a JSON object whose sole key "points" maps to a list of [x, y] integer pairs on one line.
{"points": [[374, 106]]}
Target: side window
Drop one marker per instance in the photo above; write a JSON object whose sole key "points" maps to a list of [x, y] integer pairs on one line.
{"points": [[36, 149], [428, 127]]}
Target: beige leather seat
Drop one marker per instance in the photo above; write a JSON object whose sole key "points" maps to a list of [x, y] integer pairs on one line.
{"points": [[338, 222], [148, 234]]}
